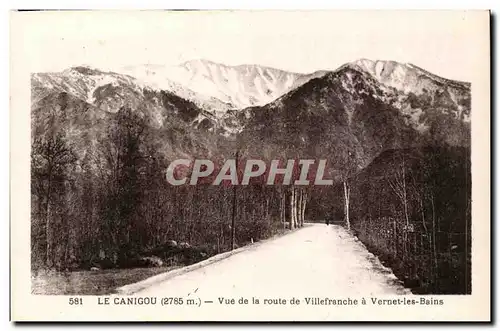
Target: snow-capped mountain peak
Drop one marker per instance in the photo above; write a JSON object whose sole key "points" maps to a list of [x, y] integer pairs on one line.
{"points": [[404, 77], [238, 86]]}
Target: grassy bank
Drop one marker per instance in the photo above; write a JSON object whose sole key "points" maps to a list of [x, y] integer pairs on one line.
{"points": [[90, 282]]}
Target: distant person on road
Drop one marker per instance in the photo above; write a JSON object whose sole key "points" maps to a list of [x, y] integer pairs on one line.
{"points": [[327, 221]]}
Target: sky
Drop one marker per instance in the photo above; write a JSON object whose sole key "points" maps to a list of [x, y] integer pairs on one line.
{"points": [[442, 42]]}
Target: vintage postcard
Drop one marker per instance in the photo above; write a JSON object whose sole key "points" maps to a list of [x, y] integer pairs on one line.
{"points": [[250, 166]]}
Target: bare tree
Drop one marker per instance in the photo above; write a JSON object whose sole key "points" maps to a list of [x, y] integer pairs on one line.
{"points": [[347, 199], [292, 205], [304, 204], [398, 184]]}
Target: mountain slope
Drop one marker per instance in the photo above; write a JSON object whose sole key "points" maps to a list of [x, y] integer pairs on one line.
{"points": [[351, 115], [84, 104], [111, 91], [86, 127], [414, 88]]}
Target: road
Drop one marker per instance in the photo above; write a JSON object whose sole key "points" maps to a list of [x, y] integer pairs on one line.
{"points": [[317, 260]]}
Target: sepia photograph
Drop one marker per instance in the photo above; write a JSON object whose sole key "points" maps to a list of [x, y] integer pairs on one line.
{"points": [[253, 160]]}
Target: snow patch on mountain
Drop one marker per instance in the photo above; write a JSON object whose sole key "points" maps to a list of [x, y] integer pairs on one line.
{"points": [[237, 86], [226, 94], [160, 77], [404, 77], [390, 73], [414, 90]]}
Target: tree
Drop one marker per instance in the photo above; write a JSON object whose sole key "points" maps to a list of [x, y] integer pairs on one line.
{"points": [[349, 169], [122, 150], [51, 157], [398, 184]]}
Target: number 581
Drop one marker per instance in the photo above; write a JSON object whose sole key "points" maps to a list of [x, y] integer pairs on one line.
{"points": [[76, 301]]}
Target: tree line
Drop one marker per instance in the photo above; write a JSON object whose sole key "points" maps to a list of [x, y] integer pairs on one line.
{"points": [[412, 208], [104, 202]]}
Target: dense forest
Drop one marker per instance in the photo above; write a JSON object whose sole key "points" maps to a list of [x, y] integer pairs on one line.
{"points": [[113, 207], [412, 208]]}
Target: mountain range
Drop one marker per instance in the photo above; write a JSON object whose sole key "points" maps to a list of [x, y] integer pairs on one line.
{"points": [[352, 113], [236, 87]]}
